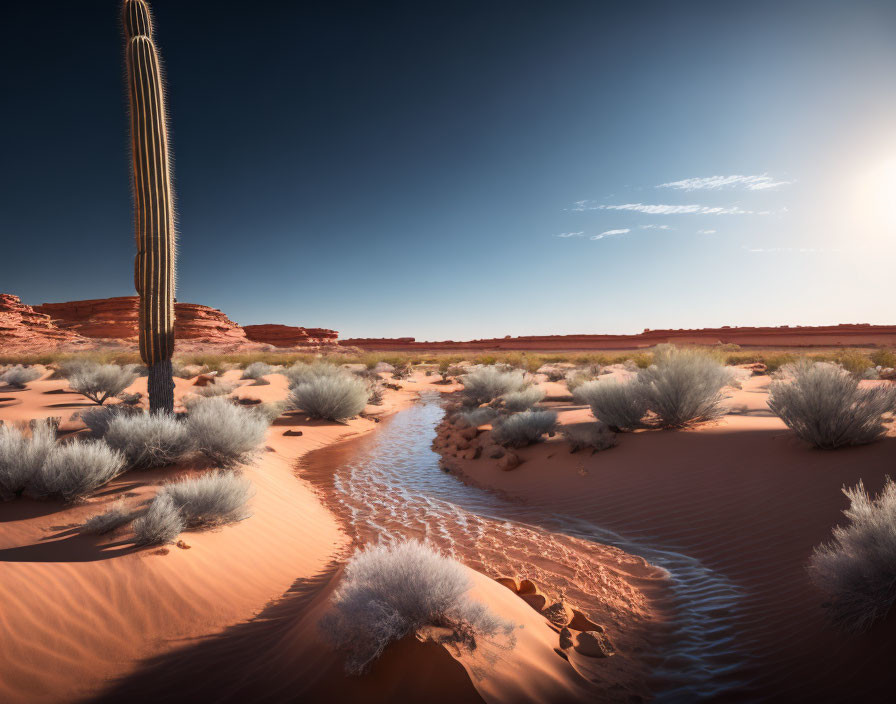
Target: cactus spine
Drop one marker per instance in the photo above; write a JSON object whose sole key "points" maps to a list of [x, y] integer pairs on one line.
{"points": [[153, 206]]}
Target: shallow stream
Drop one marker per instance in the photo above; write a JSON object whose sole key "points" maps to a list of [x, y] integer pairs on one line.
{"points": [[392, 487]]}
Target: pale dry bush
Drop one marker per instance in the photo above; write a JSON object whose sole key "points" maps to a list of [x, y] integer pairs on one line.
{"points": [[336, 397], [19, 376], [525, 428], [73, 470], [161, 523], [477, 416], [622, 405], [213, 499], [517, 401], [392, 591], [301, 373], [257, 371], [684, 386], [826, 407], [857, 569], [485, 384], [98, 419], [99, 382], [225, 433], [149, 439], [22, 455]]}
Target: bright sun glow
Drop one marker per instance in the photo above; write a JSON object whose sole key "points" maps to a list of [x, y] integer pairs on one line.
{"points": [[877, 197]]}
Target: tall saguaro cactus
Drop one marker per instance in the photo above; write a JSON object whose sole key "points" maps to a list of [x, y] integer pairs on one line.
{"points": [[153, 206]]}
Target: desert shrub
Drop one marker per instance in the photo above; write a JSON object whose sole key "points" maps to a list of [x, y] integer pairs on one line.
{"points": [[855, 362], [22, 456], [456, 371], [578, 377], [589, 436], [73, 470], [825, 406], [212, 499], [19, 376], [684, 386], [223, 432], [884, 358], [857, 569], [330, 397], [642, 360], [477, 416], [369, 375], [98, 419], [187, 371], [485, 384], [219, 388], [525, 428], [270, 411], [301, 373], [111, 519], [130, 399], [622, 405], [522, 400], [161, 523], [554, 373], [257, 370], [375, 393], [67, 368], [389, 592], [148, 439], [99, 382]]}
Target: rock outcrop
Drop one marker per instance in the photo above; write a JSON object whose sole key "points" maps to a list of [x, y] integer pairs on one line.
{"points": [[290, 336], [112, 322], [116, 318], [23, 330]]}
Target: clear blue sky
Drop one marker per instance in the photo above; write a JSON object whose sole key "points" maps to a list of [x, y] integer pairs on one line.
{"points": [[390, 169]]}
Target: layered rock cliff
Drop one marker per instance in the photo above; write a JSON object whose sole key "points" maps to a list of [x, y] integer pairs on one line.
{"points": [[290, 336], [23, 330]]}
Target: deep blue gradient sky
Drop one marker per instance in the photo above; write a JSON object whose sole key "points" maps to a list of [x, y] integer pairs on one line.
{"points": [[396, 168]]}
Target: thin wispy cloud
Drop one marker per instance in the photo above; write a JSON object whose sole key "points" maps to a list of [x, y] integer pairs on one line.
{"points": [[656, 227], [675, 209], [706, 232], [759, 182], [610, 233], [567, 235]]}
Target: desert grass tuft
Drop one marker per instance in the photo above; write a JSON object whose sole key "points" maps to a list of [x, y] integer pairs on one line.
{"points": [[392, 591]]}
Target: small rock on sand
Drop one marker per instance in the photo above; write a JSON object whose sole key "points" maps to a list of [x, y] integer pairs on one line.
{"points": [[559, 613], [580, 622], [565, 638], [594, 644], [509, 461]]}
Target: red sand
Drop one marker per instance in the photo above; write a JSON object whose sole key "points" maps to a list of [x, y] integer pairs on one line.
{"points": [[747, 498], [206, 621]]}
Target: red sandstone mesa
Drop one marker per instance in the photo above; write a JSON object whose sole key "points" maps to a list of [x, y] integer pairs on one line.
{"points": [[24, 330], [289, 336], [116, 318]]}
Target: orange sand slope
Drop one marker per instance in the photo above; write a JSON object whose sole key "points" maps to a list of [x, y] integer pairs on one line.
{"points": [[749, 500], [82, 614]]}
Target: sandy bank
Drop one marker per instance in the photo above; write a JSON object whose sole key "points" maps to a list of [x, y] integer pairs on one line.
{"points": [[749, 500]]}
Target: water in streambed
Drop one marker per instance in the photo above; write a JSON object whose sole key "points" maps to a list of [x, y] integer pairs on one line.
{"points": [[391, 487]]}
